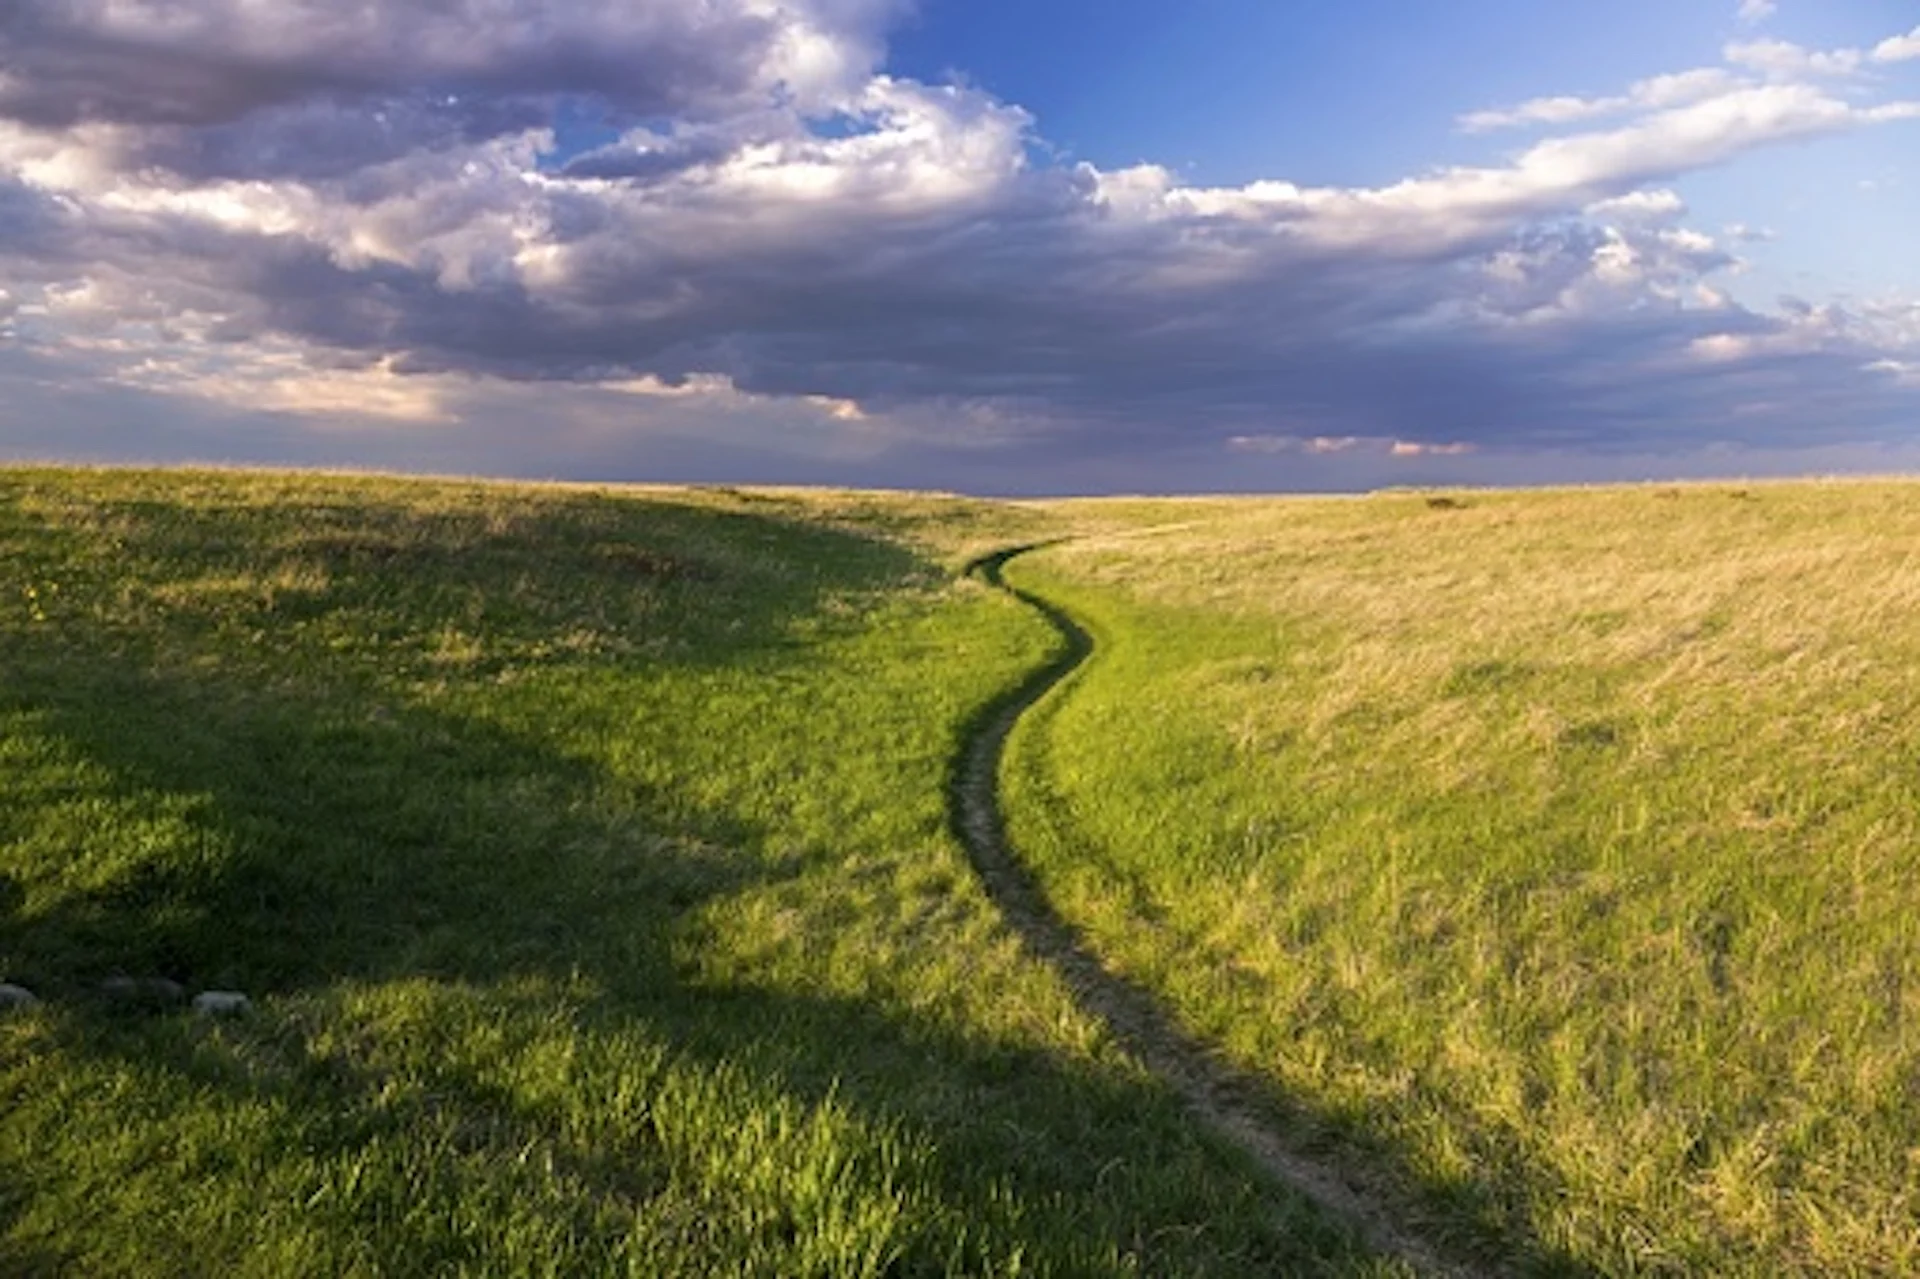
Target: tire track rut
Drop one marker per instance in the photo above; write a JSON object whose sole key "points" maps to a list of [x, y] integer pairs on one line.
{"points": [[1216, 1093]]}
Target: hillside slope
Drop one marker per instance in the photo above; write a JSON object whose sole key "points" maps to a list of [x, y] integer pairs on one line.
{"points": [[584, 857]]}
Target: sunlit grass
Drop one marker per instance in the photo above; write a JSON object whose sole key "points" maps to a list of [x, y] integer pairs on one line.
{"points": [[585, 857], [1554, 852]]}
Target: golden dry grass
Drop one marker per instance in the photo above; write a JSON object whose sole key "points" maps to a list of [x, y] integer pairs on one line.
{"points": [[1557, 849]]}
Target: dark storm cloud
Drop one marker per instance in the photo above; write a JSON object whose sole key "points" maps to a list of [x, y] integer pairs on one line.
{"points": [[325, 141], [206, 62]]}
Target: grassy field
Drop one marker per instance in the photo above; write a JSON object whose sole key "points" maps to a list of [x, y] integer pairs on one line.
{"points": [[586, 859], [1550, 857], [1553, 855]]}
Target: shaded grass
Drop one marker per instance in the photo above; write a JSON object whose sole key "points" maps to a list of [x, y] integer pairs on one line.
{"points": [[1552, 854], [585, 855]]}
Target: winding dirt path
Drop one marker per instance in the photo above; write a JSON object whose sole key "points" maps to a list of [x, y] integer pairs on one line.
{"points": [[1214, 1091]]}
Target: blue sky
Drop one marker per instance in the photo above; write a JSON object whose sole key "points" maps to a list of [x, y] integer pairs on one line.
{"points": [[1050, 245], [1230, 91], [1362, 92]]}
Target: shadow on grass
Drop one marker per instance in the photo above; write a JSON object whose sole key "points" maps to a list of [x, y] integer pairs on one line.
{"points": [[343, 836]]}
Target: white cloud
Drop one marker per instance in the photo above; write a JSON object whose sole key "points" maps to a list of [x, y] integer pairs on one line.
{"points": [[1557, 110], [1903, 372], [1757, 11], [1580, 168], [1771, 60], [1784, 60], [278, 378], [1657, 92], [1656, 206], [1335, 445], [1898, 48]]}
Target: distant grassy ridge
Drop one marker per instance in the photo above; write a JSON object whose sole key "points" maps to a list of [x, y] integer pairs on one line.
{"points": [[1554, 854], [585, 855]]}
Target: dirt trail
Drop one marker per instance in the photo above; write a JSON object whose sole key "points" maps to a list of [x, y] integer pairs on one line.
{"points": [[1212, 1089]]}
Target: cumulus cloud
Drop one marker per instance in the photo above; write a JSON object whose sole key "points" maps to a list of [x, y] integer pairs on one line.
{"points": [[1757, 11], [1898, 48], [367, 211]]}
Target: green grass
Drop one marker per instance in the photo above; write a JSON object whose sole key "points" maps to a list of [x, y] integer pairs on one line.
{"points": [[1553, 855], [585, 855]]}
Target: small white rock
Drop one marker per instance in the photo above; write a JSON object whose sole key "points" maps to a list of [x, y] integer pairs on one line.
{"points": [[12, 996], [221, 1003]]}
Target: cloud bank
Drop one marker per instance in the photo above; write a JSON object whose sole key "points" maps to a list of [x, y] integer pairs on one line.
{"points": [[721, 221]]}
